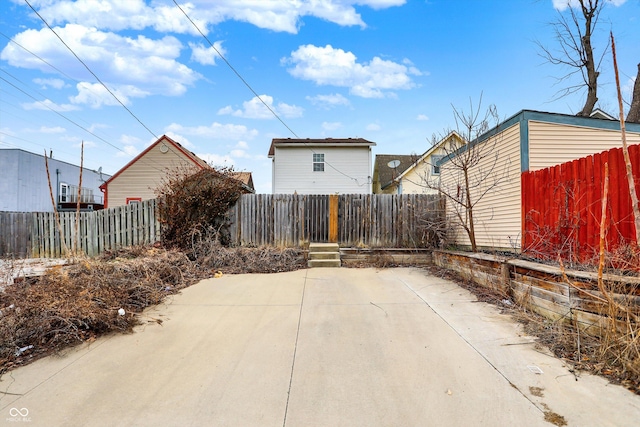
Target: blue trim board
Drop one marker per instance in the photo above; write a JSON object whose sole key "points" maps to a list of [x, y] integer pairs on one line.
{"points": [[524, 116], [524, 144]]}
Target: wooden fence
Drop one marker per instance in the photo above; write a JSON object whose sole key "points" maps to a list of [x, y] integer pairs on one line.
{"points": [[35, 235], [379, 220], [561, 206], [257, 219]]}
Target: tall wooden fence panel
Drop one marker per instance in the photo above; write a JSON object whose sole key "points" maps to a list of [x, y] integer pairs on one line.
{"points": [[37, 235], [379, 220], [15, 234], [562, 206], [257, 219]]}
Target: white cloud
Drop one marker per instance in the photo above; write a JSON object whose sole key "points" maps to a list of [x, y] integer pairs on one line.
{"points": [[216, 159], [87, 144], [128, 151], [564, 4], [239, 154], [335, 67], [47, 83], [242, 145], [95, 95], [374, 127], [180, 139], [149, 65], [206, 55], [215, 131], [328, 101], [422, 117], [276, 15], [56, 129], [129, 140], [47, 104], [331, 125], [256, 109]]}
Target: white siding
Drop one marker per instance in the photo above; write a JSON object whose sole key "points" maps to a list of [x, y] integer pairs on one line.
{"points": [[497, 213], [141, 178], [293, 171], [551, 144]]}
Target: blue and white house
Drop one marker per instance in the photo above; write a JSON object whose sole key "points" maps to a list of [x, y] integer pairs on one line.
{"points": [[24, 186]]}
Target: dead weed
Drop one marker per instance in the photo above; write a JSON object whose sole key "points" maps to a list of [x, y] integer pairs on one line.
{"points": [[92, 297]]}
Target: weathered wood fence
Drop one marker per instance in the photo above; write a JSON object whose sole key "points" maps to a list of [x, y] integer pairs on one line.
{"points": [[36, 235], [382, 220], [562, 206], [352, 220]]}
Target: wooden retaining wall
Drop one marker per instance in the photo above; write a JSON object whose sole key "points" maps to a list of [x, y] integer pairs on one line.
{"points": [[542, 288]]}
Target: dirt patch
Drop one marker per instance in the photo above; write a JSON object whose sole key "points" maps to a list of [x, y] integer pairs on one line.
{"points": [[536, 391], [553, 418]]}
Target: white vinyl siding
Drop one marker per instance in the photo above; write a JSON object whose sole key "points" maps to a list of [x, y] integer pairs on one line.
{"points": [[551, 144], [142, 178], [347, 170], [497, 213]]}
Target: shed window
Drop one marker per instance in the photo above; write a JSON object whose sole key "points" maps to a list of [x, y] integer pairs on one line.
{"points": [[134, 200], [435, 169], [318, 162]]}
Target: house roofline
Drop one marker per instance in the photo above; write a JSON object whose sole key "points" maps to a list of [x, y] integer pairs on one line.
{"points": [[195, 159], [523, 117], [428, 153], [318, 142], [84, 168]]}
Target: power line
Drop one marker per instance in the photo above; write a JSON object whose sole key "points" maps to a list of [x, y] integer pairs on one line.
{"points": [[60, 114], [101, 82], [92, 73], [256, 94], [235, 71]]}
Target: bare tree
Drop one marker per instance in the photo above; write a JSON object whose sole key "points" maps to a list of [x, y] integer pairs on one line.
{"points": [[470, 172], [573, 32], [634, 111]]}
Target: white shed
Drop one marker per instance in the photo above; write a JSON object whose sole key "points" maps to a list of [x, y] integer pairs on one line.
{"points": [[321, 166]]}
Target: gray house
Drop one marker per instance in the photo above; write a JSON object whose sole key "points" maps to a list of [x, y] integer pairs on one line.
{"points": [[24, 186]]}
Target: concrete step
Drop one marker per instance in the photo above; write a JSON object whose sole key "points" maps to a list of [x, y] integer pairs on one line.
{"points": [[324, 263], [324, 255], [324, 247]]}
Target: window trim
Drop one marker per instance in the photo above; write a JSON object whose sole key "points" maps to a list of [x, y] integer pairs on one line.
{"points": [[318, 163], [435, 169], [63, 198], [133, 200]]}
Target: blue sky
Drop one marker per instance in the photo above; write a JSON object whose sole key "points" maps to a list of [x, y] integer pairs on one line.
{"points": [[385, 70]]}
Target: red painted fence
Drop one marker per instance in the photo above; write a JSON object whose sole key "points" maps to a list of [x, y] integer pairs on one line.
{"points": [[561, 207]]}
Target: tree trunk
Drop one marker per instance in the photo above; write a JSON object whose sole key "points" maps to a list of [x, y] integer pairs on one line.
{"points": [[634, 111], [589, 62]]}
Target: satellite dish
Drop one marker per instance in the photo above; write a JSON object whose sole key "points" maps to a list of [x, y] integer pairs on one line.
{"points": [[393, 164]]}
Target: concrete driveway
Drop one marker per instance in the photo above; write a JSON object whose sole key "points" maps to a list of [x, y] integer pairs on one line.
{"points": [[319, 347]]}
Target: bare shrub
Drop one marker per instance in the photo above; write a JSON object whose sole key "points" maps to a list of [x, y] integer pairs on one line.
{"points": [[193, 206], [211, 255], [69, 305]]}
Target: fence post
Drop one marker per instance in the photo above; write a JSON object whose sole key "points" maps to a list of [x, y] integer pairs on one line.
{"points": [[333, 218]]}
